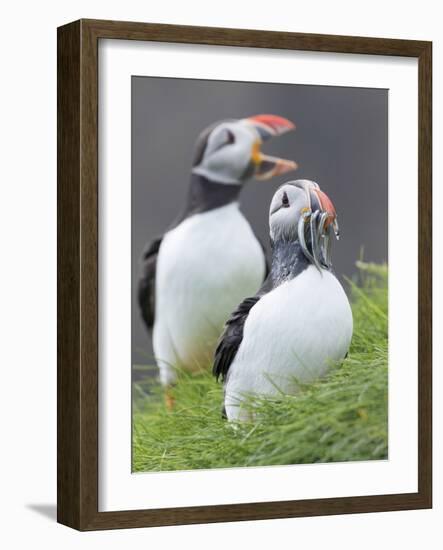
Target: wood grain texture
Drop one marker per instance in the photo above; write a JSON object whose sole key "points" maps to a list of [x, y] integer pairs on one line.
{"points": [[68, 275], [425, 274], [78, 274], [254, 38]]}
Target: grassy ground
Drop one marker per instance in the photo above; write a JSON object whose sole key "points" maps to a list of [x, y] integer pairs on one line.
{"points": [[342, 417]]}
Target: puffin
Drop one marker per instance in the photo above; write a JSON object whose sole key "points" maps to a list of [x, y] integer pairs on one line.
{"points": [[300, 322], [196, 272]]}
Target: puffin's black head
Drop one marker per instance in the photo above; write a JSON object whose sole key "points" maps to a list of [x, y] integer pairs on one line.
{"points": [[229, 151], [301, 211]]}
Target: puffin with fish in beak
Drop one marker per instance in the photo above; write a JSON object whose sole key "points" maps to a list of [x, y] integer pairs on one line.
{"points": [[300, 322], [209, 259]]}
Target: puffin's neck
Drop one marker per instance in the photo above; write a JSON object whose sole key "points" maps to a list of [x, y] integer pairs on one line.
{"points": [[207, 195], [288, 261]]}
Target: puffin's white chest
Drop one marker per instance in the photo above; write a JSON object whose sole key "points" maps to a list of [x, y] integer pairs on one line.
{"points": [[292, 334], [205, 267]]}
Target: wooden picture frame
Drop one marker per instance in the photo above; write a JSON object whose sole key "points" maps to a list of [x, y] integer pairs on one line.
{"points": [[78, 274]]}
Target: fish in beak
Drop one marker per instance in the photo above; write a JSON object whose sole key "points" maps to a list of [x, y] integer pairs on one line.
{"points": [[316, 226], [267, 127]]}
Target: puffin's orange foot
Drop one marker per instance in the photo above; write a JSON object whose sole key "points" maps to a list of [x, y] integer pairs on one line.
{"points": [[169, 399]]}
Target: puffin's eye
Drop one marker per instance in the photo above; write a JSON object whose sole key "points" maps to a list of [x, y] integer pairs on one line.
{"points": [[285, 200], [227, 138], [231, 137]]}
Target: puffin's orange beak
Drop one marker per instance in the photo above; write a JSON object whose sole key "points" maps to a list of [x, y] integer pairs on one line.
{"points": [[315, 226], [267, 127], [326, 206]]}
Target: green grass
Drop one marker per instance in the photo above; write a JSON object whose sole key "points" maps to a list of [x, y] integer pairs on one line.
{"points": [[339, 418]]}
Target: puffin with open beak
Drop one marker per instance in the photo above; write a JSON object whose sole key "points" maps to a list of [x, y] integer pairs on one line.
{"points": [[300, 322], [209, 259]]}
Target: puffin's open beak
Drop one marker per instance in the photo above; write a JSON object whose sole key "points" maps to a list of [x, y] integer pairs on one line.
{"points": [[267, 127]]}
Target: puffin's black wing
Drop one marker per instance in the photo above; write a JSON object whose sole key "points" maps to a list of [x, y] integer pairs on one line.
{"points": [[146, 284], [231, 338], [232, 334]]}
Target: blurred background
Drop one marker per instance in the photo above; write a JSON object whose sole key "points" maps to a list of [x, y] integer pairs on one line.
{"points": [[341, 142]]}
